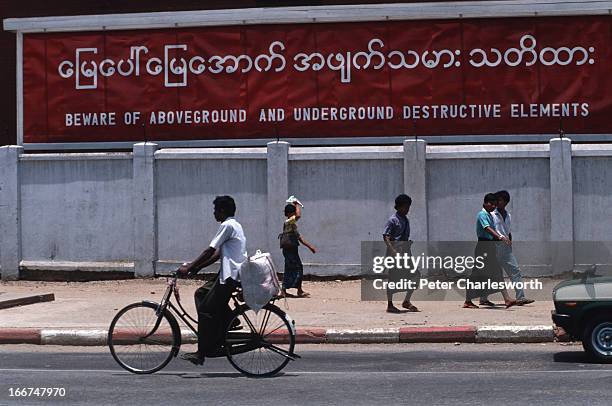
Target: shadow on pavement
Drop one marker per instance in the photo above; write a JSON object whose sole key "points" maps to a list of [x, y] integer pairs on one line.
{"points": [[195, 375], [239, 375], [574, 357]]}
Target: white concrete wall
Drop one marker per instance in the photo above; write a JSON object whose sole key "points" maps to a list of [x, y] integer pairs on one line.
{"points": [[147, 211], [456, 188], [76, 208], [592, 186], [346, 201], [592, 198], [186, 188]]}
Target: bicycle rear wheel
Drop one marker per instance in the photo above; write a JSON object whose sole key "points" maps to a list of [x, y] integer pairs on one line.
{"points": [[141, 341], [264, 344]]}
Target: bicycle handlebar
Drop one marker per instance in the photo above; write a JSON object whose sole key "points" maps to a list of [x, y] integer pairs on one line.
{"points": [[177, 275]]}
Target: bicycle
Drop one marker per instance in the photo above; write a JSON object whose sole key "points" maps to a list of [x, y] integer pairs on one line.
{"points": [[144, 336]]}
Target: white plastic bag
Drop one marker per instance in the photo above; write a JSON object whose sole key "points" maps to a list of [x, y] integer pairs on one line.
{"points": [[259, 280]]}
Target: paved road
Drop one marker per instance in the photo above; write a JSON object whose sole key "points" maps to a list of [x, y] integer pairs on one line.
{"points": [[409, 374]]}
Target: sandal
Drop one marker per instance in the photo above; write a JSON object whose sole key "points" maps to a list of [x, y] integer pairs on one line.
{"points": [[193, 357], [410, 307], [511, 303], [469, 305], [487, 303], [393, 309]]}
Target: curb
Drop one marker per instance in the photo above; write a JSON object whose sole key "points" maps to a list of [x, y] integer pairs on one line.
{"points": [[456, 334], [461, 334], [367, 336], [20, 336], [515, 334]]}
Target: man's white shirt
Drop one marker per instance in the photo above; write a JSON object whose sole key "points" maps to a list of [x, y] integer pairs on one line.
{"points": [[502, 226], [231, 242]]}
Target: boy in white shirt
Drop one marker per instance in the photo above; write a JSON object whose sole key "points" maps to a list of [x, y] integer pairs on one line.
{"points": [[505, 256]]}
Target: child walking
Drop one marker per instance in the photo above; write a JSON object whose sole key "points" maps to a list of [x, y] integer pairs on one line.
{"points": [[290, 240], [397, 238]]}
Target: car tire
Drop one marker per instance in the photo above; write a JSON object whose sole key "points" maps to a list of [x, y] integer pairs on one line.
{"points": [[597, 338]]}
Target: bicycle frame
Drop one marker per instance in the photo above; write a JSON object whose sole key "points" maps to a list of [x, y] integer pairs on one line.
{"points": [[166, 303]]}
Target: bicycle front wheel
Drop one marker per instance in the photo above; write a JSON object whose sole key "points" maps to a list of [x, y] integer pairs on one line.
{"points": [[142, 341], [260, 344]]}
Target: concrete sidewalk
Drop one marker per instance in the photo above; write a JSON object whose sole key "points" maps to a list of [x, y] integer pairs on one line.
{"points": [[82, 311]]}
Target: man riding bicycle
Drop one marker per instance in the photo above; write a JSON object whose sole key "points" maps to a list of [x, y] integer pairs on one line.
{"points": [[229, 245]]}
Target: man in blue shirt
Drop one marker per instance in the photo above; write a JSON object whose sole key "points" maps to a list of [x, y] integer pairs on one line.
{"points": [[485, 248]]}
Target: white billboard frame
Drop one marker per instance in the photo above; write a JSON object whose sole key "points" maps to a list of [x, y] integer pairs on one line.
{"points": [[299, 15]]}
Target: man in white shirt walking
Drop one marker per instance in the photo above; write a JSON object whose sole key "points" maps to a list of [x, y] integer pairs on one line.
{"points": [[229, 245], [505, 256]]}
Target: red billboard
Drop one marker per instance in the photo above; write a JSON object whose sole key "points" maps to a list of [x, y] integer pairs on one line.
{"points": [[401, 78]]}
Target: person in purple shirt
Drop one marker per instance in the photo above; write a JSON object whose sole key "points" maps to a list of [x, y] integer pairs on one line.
{"points": [[397, 238]]}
